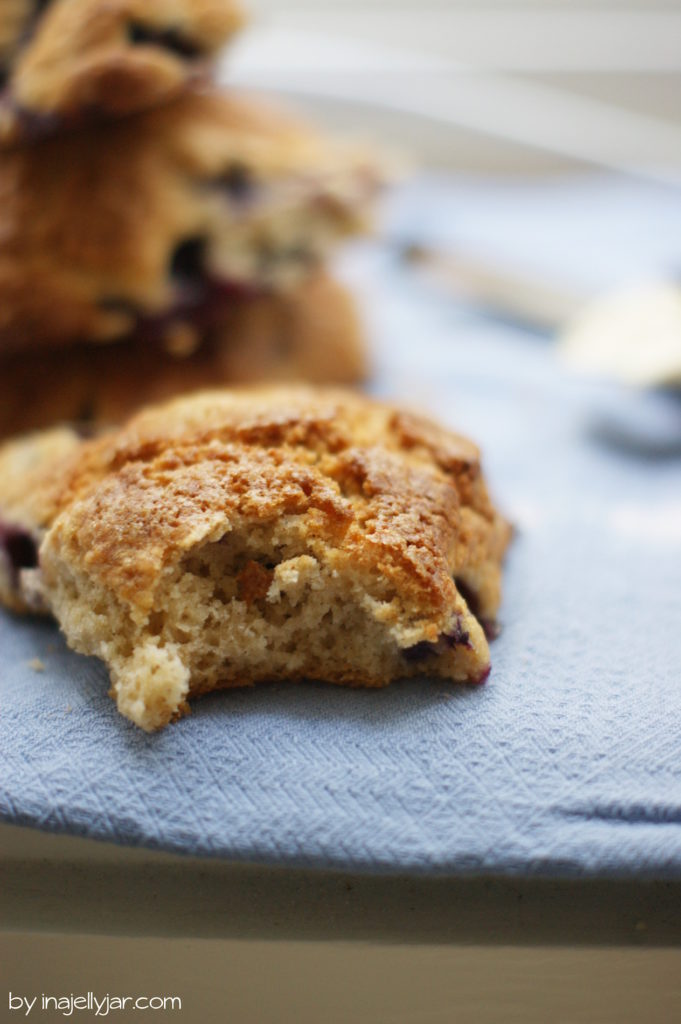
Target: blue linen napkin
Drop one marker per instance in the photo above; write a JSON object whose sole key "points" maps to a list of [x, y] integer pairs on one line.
{"points": [[568, 762]]}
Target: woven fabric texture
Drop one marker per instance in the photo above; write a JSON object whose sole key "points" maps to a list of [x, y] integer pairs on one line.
{"points": [[567, 762]]}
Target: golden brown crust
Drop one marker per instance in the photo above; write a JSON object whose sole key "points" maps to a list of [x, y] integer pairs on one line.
{"points": [[311, 334], [86, 58], [137, 499], [233, 537], [149, 222]]}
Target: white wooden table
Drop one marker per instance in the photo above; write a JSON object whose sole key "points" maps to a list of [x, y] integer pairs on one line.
{"points": [[271, 946]]}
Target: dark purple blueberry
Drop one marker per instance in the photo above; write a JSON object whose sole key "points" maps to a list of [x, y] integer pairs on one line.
{"points": [[201, 304], [238, 182], [419, 651], [170, 39], [19, 548], [199, 299], [458, 636], [188, 261]]}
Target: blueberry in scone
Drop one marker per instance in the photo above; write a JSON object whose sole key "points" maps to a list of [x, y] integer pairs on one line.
{"points": [[67, 61], [311, 333], [163, 218], [233, 537]]}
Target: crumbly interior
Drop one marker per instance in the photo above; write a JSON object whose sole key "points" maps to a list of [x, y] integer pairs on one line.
{"points": [[260, 604]]}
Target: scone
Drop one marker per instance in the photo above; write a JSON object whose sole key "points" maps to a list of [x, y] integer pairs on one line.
{"points": [[310, 334], [161, 219], [69, 60], [271, 534]]}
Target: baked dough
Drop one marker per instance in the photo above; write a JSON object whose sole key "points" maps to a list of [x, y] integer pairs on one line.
{"points": [[161, 219], [72, 60], [312, 333], [234, 537]]}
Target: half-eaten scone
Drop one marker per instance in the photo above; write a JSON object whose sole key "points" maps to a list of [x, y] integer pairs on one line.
{"points": [[235, 537]]}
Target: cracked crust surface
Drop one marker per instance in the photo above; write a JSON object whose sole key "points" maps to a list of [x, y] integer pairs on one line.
{"points": [[233, 537], [311, 334], [161, 219], [74, 59]]}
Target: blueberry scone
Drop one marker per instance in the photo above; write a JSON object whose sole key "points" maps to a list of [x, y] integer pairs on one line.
{"points": [[234, 537], [311, 333], [68, 60], [159, 221]]}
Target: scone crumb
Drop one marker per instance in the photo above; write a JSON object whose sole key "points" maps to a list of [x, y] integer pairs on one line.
{"points": [[37, 665]]}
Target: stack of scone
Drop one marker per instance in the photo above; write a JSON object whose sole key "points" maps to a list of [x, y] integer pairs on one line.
{"points": [[158, 235], [156, 232]]}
